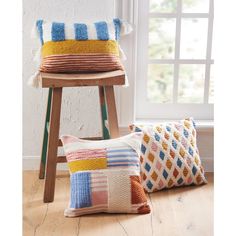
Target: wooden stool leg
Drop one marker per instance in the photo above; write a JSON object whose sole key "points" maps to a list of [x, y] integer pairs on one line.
{"points": [[105, 132], [45, 137], [111, 111], [54, 126]]}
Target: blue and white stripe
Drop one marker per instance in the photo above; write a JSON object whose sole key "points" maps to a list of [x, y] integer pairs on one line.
{"points": [[81, 32], [122, 156], [102, 30]]}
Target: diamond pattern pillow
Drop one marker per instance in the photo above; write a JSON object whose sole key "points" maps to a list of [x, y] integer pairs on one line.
{"points": [[169, 155], [105, 176]]}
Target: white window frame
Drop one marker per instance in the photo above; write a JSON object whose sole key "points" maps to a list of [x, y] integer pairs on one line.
{"points": [[128, 98], [174, 110]]}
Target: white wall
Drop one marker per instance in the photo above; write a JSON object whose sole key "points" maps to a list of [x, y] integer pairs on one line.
{"points": [[79, 114]]}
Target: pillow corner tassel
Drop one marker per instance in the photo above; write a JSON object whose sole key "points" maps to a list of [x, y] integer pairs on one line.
{"points": [[126, 28], [34, 32], [34, 80], [122, 54]]}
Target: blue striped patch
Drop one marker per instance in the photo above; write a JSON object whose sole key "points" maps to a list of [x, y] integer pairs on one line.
{"points": [[121, 160], [58, 31], [117, 24], [102, 30], [80, 190], [81, 32], [122, 157], [122, 150], [39, 25]]}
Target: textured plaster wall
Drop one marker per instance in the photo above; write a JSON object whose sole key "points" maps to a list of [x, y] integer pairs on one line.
{"points": [[80, 107]]}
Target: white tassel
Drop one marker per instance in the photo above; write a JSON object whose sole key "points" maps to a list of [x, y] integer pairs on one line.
{"points": [[34, 80], [122, 54], [34, 32], [126, 28]]}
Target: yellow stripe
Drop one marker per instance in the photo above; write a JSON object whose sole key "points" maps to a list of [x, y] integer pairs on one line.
{"points": [[91, 164], [76, 47]]}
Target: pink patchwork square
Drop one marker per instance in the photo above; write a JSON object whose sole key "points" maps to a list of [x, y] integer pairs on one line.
{"points": [[99, 197]]}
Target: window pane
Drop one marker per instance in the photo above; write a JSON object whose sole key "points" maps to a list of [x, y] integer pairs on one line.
{"points": [[161, 38], [160, 83], [193, 38], [163, 5], [195, 6], [191, 83], [211, 87]]}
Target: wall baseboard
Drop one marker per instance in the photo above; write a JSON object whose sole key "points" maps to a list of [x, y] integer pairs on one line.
{"points": [[32, 163]]}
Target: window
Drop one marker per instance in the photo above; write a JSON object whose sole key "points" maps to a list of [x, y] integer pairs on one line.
{"points": [[174, 64]]}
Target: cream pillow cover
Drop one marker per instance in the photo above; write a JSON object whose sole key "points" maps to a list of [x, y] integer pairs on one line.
{"points": [[105, 176]]}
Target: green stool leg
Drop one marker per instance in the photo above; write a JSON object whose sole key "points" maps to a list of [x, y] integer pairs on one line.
{"points": [[105, 132], [45, 137]]}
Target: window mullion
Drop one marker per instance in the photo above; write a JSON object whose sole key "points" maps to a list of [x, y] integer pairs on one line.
{"points": [[208, 52], [180, 61], [174, 15], [177, 51]]}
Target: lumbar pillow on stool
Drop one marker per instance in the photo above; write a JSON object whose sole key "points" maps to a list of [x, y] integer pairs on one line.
{"points": [[105, 176], [80, 47], [169, 155]]}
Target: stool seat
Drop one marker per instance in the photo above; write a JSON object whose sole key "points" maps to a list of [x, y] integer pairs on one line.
{"points": [[53, 80]]}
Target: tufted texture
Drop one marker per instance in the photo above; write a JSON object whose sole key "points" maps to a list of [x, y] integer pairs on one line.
{"points": [[169, 155]]}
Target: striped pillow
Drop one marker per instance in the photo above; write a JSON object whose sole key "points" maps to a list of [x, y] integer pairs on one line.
{"points": [[79, 47], [105, 176]]}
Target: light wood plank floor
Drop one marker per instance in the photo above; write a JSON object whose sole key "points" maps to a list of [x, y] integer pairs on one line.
{"points": [[175, 212]]}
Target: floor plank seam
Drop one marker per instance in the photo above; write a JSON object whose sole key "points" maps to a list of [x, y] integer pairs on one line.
{"points": [[151, 216], [39, 225], [78, 226], [122, 226]]}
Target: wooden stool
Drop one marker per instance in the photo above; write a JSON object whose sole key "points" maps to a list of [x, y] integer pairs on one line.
{"points": [[51, 142]]}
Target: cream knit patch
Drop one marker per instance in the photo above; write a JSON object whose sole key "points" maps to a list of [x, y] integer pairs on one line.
{"points": [[119, 194]]}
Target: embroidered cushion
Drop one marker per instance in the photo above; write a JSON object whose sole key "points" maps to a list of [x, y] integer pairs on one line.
{"points": [[169, 155], [105, 176], [79, 47]]}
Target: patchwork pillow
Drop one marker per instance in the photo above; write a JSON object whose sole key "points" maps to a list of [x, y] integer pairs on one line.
{"points": [[80, 47], [105, 176], [169, 155]]}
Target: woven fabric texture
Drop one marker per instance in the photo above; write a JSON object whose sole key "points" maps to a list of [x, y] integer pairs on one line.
{"points": [[79, 47], [169, 155], [105, 176]]}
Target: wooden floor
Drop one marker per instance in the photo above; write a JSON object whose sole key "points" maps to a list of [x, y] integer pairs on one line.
{"points": [[175, 212]]}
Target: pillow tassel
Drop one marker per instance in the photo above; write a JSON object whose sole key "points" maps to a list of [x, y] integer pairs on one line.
{"points": [[122, 54], [34, 32], [126, 28], [34, 80]]}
